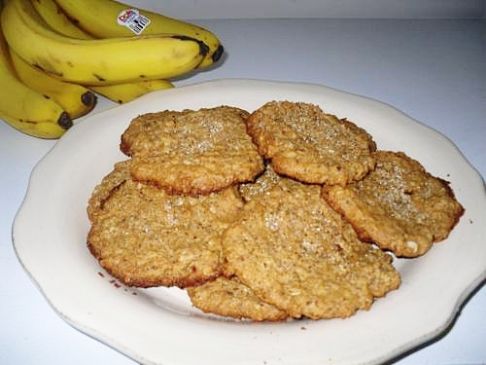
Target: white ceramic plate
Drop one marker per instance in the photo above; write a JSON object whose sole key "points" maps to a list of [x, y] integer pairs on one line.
{"points": [[159, 325]]}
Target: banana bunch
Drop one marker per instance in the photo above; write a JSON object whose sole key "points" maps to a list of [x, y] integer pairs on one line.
{"points": [[56, 55]]}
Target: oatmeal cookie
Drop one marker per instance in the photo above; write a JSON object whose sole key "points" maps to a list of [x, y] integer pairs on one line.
{"points": [[399, 205], [298, 254], [192, 152], [231, 298], [146, 237], [108, 184], [262, 184], [309, 145]]}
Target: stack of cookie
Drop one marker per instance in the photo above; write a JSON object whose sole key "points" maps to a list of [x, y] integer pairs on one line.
{"points": [[287, 212]]}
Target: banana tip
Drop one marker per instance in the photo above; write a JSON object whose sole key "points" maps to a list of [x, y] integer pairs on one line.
{"points": [[65, 121], [218, 53], [88, 98]]}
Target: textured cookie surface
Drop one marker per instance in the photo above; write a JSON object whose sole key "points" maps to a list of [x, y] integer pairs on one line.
{"points": [[231, 298], [146, 237], [103, 190], [307, 144], [192, 152], [298, 254], [263, 184], [399, 206]]}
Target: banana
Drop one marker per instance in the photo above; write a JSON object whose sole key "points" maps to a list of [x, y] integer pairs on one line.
{"points": [[75, 99], [54, 16], [120, 93], [26, 109], [99, 61], [46, 130], [110, 18], [123, 93]]}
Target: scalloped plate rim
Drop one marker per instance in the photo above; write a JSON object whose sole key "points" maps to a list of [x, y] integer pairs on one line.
{"points": [[69, 316]]}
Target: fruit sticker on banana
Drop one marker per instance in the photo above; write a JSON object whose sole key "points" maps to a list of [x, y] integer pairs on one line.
{"points": [[133, 20]]}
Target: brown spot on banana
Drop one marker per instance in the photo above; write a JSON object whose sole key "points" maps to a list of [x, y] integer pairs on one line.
{"points": [[27, 121], [54, 73], [203, 48], [99, 78], [71, 18], [37, 66], [50, 72]]}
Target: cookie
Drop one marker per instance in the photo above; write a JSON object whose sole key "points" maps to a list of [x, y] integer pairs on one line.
{"points": [[146, 237], [399, 205], [192, 152], [309, 145], [299, 255], [108, 184], [231, 298], [262, 184]]}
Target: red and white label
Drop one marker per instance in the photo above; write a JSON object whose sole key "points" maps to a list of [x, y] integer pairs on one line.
{"points": [[133, 20]]}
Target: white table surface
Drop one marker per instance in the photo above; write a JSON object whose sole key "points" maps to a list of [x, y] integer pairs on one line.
{"points": [[433, 70]]}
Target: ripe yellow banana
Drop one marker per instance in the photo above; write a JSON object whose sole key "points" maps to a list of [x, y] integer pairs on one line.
{"points": [[75, 99], [26, 109], [120, 93], [110, 18], [54, 16], [99, 61], [123, 93], [46, 130]]}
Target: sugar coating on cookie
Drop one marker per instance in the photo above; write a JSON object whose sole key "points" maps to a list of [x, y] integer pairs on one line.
{"points": [[263, 183], [298, 254], [307, 144], [192, 152], [229, 297], [399, 205], [146, 237]]}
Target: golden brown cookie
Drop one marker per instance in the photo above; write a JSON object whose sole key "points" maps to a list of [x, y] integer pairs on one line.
{"points": [[146, 237], [262, 184], [298, 254], [309, 145], [231, 298], [192, 152], [108, 184], [399, 205]]}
